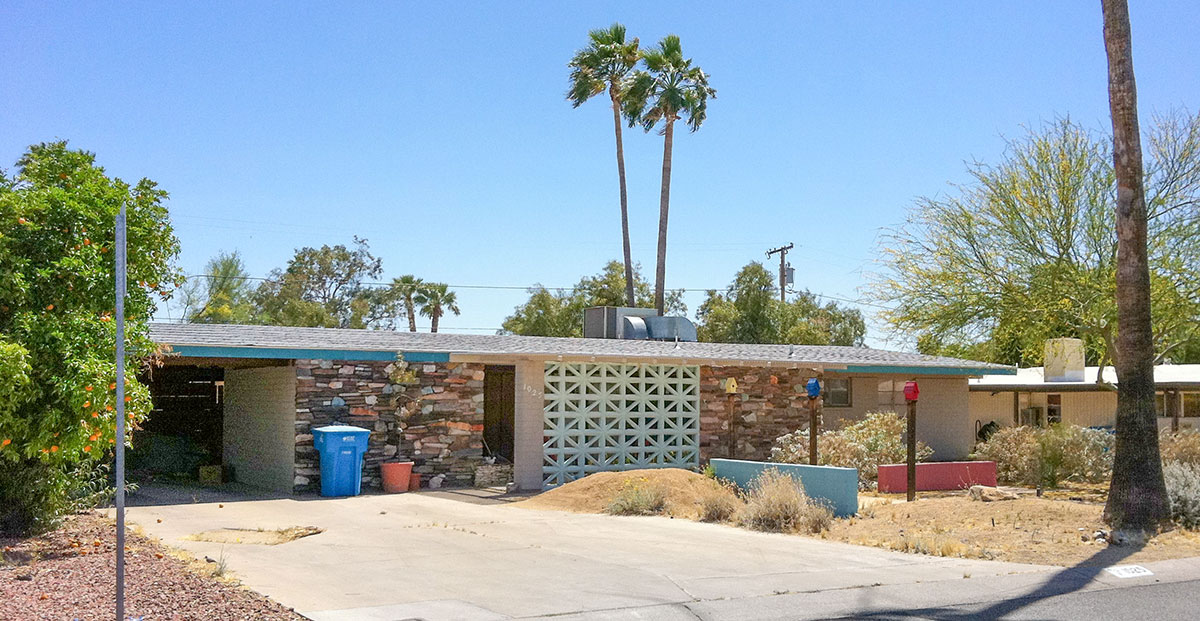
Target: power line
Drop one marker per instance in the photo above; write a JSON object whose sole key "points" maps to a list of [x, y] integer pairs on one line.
{"points": [[539, 286]]}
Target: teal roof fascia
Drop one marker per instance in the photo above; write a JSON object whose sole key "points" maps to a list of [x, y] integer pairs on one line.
{"points": [[913, 370], [273, 353]]}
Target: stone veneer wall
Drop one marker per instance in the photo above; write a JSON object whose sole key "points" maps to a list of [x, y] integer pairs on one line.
{"points": [[435, 421], [770, 403]]}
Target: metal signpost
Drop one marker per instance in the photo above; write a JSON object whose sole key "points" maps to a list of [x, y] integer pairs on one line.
{"points": [[120, 439], [910, 395]]}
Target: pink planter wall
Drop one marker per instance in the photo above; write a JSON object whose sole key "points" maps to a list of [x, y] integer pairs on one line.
{"points": [[935, 476]]}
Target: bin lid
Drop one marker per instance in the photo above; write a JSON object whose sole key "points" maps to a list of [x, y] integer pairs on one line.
{"points": [[341, 429]]}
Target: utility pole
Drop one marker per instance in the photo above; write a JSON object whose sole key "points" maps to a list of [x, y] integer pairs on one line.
{"points": [[782, 251], [120, 432]]}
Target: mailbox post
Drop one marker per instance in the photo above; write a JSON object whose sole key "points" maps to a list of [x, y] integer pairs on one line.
{"points": [[911, 392], [814, 413]]}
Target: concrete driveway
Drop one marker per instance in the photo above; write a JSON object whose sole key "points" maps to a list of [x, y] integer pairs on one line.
{"points": [[448, 555]]}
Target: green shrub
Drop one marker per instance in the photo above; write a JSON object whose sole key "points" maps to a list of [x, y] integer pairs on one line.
{"points": [[777, 503], [637, 497], [1014, 449], [1183, 492], [719, 503], [1048, 456], [1182, 446], [865, 444]]}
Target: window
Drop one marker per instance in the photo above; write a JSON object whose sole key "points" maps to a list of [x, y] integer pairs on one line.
{"points": [[837, 393], [1191, 404], [1053, 409], [891, 395]]}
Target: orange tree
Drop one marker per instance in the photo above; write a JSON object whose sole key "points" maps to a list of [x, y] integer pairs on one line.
{"points": [[57, 330]]}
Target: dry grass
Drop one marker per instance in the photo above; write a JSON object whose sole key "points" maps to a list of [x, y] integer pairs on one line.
{"points": [[259, 536], [684, 490], [1027, 530], [638, 497], [777, 503]]}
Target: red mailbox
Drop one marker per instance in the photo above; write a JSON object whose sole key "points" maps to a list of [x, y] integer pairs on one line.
{"points": [[911, 391]]}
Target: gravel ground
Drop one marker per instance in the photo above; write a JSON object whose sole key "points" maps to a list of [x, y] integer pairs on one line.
{"points": [[69, 574]]}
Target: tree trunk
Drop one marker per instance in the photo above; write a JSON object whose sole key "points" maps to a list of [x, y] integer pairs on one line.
{"points": [[433, 320], [664, 206], [1137, 497], [629, 297], [412, 315]]}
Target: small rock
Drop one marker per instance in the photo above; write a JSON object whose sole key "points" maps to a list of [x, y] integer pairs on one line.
{"points": [[990, 494]]}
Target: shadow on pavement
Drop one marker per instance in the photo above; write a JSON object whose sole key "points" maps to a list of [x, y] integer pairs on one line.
{"points": [[1066, 581], [159, 494]]}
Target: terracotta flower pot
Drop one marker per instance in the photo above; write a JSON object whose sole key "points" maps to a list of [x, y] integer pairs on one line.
{"points": [[414, 482], [396, 476]]}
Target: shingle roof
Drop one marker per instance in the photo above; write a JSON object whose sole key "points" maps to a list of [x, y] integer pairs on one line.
{"points": [[266, 338]]}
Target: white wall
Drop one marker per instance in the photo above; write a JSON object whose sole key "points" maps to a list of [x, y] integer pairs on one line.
{"points": [[529, 425], [986, 407], [260, 426]]}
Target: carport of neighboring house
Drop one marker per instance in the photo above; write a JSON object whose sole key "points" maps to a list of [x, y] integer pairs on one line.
{"points": [[538, 411]]}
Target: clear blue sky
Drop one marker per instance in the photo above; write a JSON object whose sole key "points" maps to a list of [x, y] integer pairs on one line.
{"points": [[439, 132]]}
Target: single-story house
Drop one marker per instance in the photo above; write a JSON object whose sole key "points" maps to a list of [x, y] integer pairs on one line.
{"points": [[554, 408], [1029, 398]]}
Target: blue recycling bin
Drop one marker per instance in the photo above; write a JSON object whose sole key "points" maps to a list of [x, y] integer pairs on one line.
{"points": [[341, 448]]}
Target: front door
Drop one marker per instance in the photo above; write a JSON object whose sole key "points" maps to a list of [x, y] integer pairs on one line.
{"points": [[499, 411]]}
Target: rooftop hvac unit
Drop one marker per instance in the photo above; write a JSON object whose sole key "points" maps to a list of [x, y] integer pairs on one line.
{"points": [[605, 322]]}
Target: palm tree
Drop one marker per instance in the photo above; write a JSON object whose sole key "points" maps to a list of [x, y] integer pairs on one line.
{"points": [[607, 63], [435, 299], [1137, 496], [669, 89], [405, 289]]}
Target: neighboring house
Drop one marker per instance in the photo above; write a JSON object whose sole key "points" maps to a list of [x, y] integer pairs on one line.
{"points": [[556, 408], [1028, 398]]}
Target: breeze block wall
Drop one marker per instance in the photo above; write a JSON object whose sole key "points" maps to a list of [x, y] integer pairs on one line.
{"points": [[435, 421]]}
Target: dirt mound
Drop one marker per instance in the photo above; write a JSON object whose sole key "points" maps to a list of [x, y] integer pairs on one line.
{"points": [[592, 493]]}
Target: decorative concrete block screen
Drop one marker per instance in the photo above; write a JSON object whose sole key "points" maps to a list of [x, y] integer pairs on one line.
{"points": [[836, 486], [619, 417]]}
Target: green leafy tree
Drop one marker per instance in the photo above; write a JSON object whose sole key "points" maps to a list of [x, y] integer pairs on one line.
{"points": [[549, 313], [749, 311], [404, 291], [606, 64], [669, 89], [223, 294], [1027, 251], [324, 287], [435, 300], [57, 334]]}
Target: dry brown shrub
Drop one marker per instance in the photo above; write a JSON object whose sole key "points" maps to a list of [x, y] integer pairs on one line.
{"points": [[777, 503]]}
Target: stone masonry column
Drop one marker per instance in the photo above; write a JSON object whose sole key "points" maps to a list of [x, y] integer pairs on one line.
{"points": [[529, 426]]}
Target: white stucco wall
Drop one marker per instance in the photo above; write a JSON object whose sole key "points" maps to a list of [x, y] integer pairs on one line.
{"points": [[529, 424], [260, 426], [943, 418]]}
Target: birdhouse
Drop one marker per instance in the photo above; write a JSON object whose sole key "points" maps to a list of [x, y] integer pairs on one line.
{"points": [[730, 386], [814, 388], [911, 391]]}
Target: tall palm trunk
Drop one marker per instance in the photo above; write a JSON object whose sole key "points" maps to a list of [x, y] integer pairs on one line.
{"points": [[616, 105], [411, 309], [664, 206], [433, 319], [1137, 497]]}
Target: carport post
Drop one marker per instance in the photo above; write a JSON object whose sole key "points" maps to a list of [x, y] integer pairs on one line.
{"points": [[120, 381]]}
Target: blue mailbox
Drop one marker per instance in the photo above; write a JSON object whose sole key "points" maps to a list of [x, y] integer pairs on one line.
{"points": [[814, 388], [341, 448]]}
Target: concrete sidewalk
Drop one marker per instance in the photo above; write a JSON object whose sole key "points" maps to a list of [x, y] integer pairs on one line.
{"points": [[432, 556]]}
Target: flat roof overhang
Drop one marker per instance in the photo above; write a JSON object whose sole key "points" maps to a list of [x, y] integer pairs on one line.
{"points": [[1075, 387]]}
